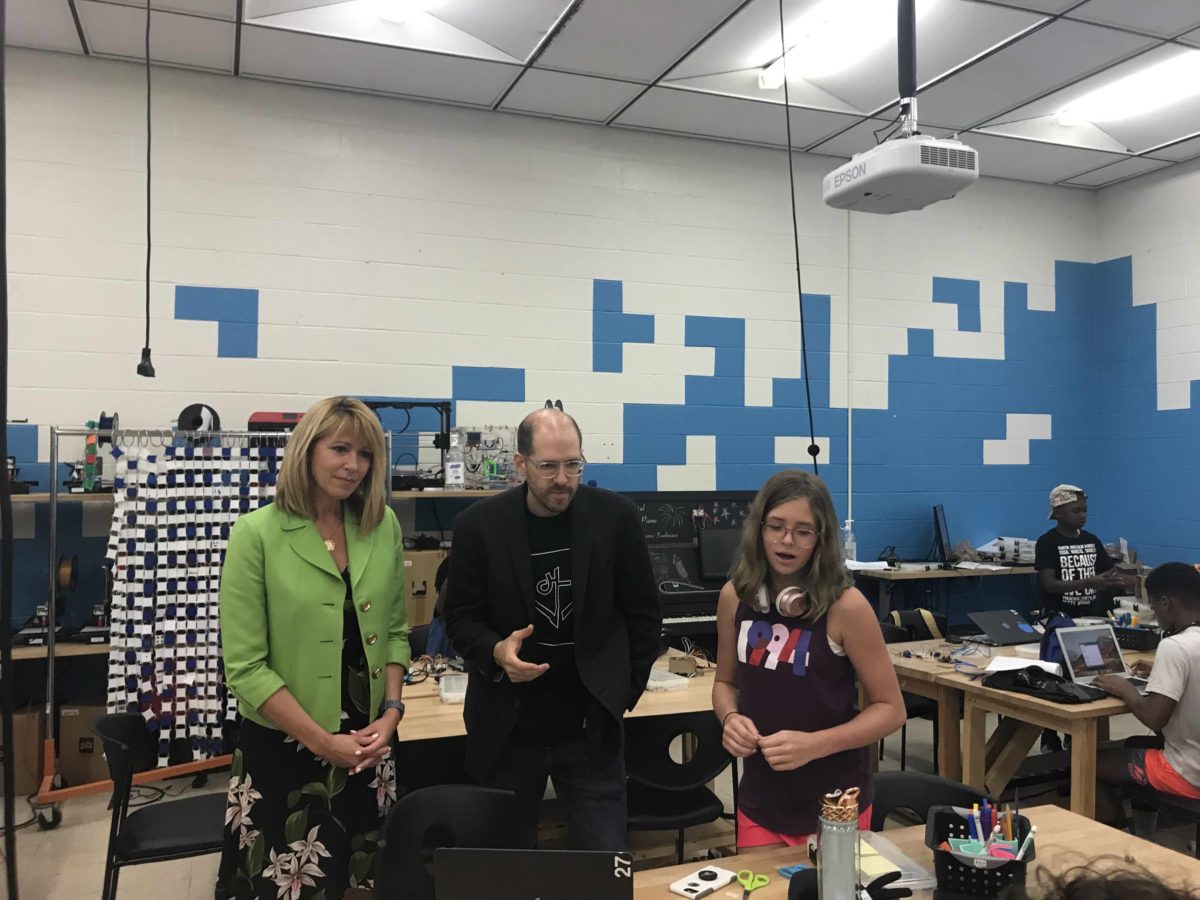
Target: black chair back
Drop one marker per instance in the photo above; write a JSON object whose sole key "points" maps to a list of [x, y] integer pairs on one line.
{"points": [[894, 634], [917, 792], [648, 750], [418, 640], [918, 627], [447, 815]]}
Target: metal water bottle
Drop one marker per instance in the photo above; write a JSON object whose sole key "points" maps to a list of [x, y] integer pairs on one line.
{"points": [[837, 856]]}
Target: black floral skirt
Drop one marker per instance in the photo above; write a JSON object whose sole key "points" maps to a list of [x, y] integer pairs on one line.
{"points": [[298, 828]]}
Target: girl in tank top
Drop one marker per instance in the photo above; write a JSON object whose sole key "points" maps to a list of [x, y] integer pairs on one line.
{"points": [[795, 639]]}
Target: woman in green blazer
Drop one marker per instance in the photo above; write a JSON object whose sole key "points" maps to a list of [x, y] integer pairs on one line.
{"points": [[315, 645]]}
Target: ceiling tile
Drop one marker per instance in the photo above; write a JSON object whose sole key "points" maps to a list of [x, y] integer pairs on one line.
{"points": [[713, 115], [359, 20], [1181, 151], [744, 83], [569, 96], [1046, 59], [514, 26], [1165, 18], [950, 33], [192, 41], [1118, 171], [861, 138], [628, 39], [313, 59], [1032, 160], [44, 26], [1192, 37], [213, 9], [1136, 133], [1042, 6]]}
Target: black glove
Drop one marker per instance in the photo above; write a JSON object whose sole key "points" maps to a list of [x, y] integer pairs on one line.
{"points": [[879, 890]]}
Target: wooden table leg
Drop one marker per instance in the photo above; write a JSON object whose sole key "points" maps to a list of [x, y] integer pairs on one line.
{"points": [[1083, 767], [1010, 757], [974, 744], [1102, 732], [949, 748], [999, 740]]}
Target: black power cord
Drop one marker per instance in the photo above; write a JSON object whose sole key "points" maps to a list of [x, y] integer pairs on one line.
{"points": [[6, 518], [813, 450], [145, 366]]}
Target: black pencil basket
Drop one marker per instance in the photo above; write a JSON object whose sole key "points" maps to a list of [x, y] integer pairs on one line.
{"points": [[977, 878], [1135, 637]]}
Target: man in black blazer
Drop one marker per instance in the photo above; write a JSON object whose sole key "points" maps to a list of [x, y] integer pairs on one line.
{"points": [[553, 605]]}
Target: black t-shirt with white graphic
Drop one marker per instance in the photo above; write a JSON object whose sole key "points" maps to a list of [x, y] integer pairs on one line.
{"points": [[557, 700], [1073, 559]]}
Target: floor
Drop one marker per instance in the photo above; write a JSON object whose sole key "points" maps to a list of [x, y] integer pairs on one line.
{"points": [[68, 862]]}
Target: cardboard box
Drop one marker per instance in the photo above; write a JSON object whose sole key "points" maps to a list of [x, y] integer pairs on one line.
{"points": [[421, 568], [80, 752], [29, 730]]}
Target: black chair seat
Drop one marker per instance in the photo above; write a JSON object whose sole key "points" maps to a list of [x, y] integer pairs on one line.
{"points": [[1182, 806], [651, 809], [918, 707], [916, 792], [188, 827]]}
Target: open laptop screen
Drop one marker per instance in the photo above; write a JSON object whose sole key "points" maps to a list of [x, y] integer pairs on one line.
{"points": [[1091, 650]]}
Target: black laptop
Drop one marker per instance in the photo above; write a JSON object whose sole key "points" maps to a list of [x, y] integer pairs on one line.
{"points": [[460, 873], [1004, 627]]}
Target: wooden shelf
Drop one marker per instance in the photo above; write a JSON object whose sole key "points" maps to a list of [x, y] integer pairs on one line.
{"points": [[62, 496], [61, 649]]}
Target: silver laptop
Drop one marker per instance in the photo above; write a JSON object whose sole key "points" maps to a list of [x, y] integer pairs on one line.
{"points": [[1091, 650]]}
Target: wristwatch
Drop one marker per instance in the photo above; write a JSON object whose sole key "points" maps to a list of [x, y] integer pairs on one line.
{"points": [[397, 705]]}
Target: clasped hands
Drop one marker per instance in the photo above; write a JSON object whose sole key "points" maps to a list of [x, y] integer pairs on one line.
{"points": [[364, 748], [783, 750]]}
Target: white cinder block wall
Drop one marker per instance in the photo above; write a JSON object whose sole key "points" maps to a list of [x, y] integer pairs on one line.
{"points": [[392, 241]]}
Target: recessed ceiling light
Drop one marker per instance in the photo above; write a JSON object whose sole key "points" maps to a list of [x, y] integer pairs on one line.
{"points": [[831, 37], [397, 11], [1151, 89]]}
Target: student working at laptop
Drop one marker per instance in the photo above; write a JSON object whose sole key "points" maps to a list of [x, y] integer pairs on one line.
{"points": [[1075, 574], [1168, 761]]}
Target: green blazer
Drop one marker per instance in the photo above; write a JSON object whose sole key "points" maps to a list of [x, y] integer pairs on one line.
{"points": [[282, 602]]}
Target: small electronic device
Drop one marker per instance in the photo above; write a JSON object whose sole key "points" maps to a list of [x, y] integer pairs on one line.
{"points": [[1004, 627], [460, 873], [703, 882], [718, 549], [1091, 650]]}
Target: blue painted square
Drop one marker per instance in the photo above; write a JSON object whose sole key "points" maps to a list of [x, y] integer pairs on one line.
{"points": [[612, 328], [488, 383], [235, 310], [964, 294]]}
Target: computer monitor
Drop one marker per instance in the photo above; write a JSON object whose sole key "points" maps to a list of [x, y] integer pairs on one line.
{"points": [[718, 549], [941, 534]]}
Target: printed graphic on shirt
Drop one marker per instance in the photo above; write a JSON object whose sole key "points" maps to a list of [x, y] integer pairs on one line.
{"points": [[1075, 563], [768, 644], [553, 588]]}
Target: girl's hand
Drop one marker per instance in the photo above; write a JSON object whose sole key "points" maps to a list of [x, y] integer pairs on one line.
{"points": [[739, 736], [788, 750]]}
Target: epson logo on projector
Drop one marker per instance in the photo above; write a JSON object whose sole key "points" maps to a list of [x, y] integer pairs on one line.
{"points": [[849, 175]]}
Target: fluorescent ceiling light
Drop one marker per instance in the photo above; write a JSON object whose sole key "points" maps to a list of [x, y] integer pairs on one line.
{"points": [[1142, 92], [832, 36]]}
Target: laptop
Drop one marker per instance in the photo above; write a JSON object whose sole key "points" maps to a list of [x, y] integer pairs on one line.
{"points": [[1091, 650], [1004, 627], [460, 873]]}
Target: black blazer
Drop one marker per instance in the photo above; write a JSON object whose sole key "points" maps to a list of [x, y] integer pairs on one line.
{"points": [[490, 595]]}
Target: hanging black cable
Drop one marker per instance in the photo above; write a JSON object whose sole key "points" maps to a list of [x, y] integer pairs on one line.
{"points": [[813, 450], [6, 519], [146, 367]]}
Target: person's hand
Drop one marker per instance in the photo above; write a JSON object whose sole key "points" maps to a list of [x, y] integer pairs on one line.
{"points": [[1115, 685], [505, 654], [787, 750], [342, 750], [1141, 669], [375, 740], [739, 736]]}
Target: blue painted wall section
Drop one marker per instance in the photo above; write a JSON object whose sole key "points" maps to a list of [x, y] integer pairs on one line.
{"points": [[235, 310], [23, 446], [488, 383], [613, 328], [964, 294]]}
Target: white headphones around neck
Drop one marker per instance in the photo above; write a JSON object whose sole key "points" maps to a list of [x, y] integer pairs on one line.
{"points": [[790, 595]]}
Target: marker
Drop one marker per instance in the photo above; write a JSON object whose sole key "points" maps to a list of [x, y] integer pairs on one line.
{"points": [[992, 837], [978, 823], [985, 813], [1028, 840], [1008, 835]]}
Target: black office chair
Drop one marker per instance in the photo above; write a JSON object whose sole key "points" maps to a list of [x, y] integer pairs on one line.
{"points": [[665, 795], [1182, 807], [427, 763], [449, 815], [917, 792], [915, 621], [167, 830], [915, 707], [418, 640]]}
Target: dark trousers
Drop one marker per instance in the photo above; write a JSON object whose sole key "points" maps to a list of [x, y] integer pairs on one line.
{"points": [[591, 792]]}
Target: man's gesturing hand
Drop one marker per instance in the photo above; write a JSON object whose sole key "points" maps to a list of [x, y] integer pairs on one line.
{"points": [[505, 654]]}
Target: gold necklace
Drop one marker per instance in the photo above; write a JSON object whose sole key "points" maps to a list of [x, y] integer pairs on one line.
{"points": [[330, 543]]}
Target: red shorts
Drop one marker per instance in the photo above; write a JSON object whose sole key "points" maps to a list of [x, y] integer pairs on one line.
{"points": [[751, 834], [1162, 776]]}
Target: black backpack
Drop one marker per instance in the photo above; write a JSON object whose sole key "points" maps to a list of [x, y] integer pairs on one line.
{"points": [[1037, 682]]}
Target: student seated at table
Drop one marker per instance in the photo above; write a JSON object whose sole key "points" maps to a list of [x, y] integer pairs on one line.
{"points": [[1168, 761], [785, 687], [1075, 575]]}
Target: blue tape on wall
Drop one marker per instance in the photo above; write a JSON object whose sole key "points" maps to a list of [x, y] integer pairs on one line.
{"points": [[235, 310], [612, 328], [964, 294]]}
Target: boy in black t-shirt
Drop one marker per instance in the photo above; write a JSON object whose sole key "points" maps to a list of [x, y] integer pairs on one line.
{"points": [[1074, 571]]}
